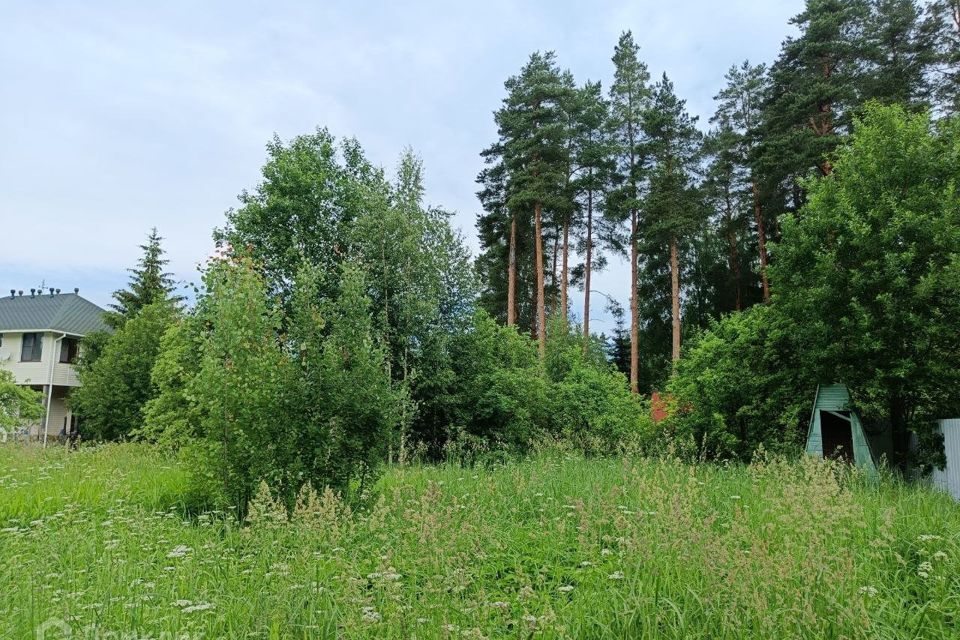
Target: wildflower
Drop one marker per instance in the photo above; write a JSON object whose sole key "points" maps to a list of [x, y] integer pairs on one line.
{"points": [[567, 588], [924, 569], [182, 603], [499, 604], [529, 618], [734, 497], [606, 552], [926, 537], [179, 551], [616, 575], [200, 606], [868, 590], [940, 555], [371, 615], [586, 563]]}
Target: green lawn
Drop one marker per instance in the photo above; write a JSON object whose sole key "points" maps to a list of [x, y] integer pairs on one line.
{"points": [[552, 547]]}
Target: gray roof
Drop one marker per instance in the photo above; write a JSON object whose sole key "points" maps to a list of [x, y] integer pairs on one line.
{"points": [[65, 312]]}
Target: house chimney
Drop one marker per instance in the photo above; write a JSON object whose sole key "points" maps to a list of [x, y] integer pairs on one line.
{"points": [[76, 289], [20, 292], [13, 292], [51, 291], [33, 292], [58, 291]]}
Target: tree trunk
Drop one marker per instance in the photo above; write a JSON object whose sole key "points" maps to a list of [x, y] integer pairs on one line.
{"points": [[541, 307], [512, 275], [675, 290], [564, 270], [734, 251], [588, 267], [761, 240], [634, 309]]}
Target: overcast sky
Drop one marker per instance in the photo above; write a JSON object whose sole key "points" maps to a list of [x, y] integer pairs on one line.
{"points": [[119, 116]]}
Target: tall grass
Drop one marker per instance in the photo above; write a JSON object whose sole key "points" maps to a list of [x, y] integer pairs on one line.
{"points": [[555, 547]]}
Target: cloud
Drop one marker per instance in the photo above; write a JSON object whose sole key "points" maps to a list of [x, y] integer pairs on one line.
{"points": [[127, 116]]}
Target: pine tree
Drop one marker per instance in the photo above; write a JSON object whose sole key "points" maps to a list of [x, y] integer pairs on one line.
{"points": [[942, 23], [672, 210], [149, 283], [897, 52], [739, 111], [725, 187], [813, 87], [593, 157], [533, 149], [629, 99]]}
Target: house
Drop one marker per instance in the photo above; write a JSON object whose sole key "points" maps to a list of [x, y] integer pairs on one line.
{"points": [[39, 344]]}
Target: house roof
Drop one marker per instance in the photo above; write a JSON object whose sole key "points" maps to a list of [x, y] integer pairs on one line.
{"points": [[65, 312]]}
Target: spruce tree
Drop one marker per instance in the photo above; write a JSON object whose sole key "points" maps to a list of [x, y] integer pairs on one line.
{"points": [[629, 99], [149, 283]]}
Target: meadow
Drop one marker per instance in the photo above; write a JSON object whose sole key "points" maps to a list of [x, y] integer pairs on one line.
{"points": [[100, 543]]}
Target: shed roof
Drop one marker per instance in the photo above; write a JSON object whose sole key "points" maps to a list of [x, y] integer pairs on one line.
{"points": [[66, 312]]}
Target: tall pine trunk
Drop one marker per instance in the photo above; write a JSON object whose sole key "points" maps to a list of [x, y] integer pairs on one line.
{"points": [[734, 252], [675, 296], [761, 239], [541, 305], [634, 308], [564, 270], [588, 267], [512, 275]]}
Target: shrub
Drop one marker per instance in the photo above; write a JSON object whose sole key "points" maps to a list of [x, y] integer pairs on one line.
{"points": [[740, 384]]}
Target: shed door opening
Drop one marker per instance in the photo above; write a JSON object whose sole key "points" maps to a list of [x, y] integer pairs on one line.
{"points": [[837, 435]]}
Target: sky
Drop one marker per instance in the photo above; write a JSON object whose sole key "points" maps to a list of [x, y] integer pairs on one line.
{"points": [[117, 117]]}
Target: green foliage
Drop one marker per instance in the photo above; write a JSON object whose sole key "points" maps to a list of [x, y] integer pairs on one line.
{"points": [[313, 189], [19, 405], [149, 284], [172, 417], [506, 398], [551, 547], [868, 271], [741, 386], [115, 387], [346, 404]]}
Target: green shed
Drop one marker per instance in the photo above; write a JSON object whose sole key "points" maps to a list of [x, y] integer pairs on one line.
{"points": [[836, 430]]}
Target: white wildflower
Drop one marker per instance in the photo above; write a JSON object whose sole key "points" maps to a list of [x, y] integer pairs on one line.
{"points": [[371, 615], [179, 551], [616, 575], [567, 588], [200, 606], [868, 590]]}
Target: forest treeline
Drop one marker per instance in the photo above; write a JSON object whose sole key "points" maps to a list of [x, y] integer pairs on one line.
{"points": [[812, 234], [580, 172]]}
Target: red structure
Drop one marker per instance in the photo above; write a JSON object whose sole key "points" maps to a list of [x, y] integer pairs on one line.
{"points": [[658, 407]]}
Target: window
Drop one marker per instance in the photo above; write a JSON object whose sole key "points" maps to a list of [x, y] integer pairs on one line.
{"points": [[32, 347], [69, 349]]}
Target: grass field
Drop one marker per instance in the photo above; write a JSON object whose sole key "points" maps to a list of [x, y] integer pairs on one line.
{"points": [[99, 541]]}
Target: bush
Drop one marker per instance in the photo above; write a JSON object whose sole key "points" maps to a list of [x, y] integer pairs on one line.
{"points": [[117, 385], [740, 384]]}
